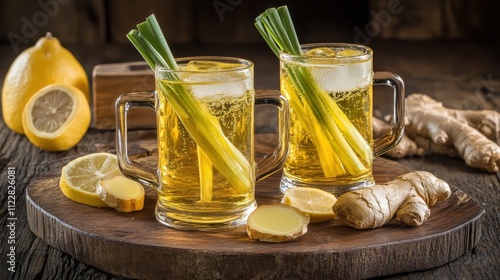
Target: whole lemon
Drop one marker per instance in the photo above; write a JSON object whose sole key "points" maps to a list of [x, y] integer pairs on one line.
{"points": [[45, 63]]}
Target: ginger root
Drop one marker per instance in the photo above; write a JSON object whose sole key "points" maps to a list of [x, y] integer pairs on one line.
{"points": [[276, 223], [409, 196], [414, 212], [431, 128], [121, 193]]}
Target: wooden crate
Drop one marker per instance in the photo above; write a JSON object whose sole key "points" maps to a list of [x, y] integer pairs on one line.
{"points": [[112, 80]]}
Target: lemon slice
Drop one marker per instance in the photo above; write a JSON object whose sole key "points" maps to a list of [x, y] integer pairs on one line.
{"points": [[320, 52], [208, 65], [81, 177], [349, 52], [56, 117], [311, 201]]}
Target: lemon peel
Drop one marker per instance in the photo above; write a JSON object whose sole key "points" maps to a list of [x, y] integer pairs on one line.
{"points": [[311, 201], [81, 177]]}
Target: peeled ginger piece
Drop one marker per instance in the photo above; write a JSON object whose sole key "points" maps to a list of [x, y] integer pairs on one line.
{"points": [[276, 223], [121, 193]]}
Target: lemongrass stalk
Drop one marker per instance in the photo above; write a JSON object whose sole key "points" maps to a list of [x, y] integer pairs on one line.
{"points": [[276, 27], [151, 29], [330, 162], [206, 132], [206, 175], [322, 111], [352, 135], [200, 124]]}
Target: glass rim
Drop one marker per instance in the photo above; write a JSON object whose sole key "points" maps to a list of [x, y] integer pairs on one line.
{"points": [[245, 64], [367, 52]]}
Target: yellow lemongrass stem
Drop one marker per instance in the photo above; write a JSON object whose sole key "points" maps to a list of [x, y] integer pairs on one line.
{"points": [[351, 133], [322, 111], [330, 163], [207, 133], [206, 175]]}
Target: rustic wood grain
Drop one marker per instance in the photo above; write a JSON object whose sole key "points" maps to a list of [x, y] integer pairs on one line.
{"points": [[109, 81], [104, 238]]}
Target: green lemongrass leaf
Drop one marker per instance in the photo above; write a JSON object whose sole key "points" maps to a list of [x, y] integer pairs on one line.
{"points": [[142, 48], [263, 32], [286, 19], [271, 33], [278, 29], [151, 31], [160, 61], [146, 49], [147, 35], [275, 25]]}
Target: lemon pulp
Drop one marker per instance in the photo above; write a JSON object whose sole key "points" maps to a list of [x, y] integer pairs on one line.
{"points": [[311, 201], [81, 177]]}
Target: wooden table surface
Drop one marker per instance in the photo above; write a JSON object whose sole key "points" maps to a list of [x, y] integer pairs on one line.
{"points": [[462, 75]]}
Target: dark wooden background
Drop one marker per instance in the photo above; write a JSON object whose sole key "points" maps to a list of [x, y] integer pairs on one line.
{"points": [[231, 21]]}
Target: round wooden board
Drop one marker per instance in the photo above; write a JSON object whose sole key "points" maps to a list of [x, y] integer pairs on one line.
{"points": [[136, 245]]}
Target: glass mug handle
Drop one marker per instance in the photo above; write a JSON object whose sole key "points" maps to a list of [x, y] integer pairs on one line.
{"points": [[265, 167], [392, 137], [275, 161], [124, 103]]}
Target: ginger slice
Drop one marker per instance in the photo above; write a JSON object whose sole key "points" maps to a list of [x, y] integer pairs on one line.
{"points": [[276, 223], [121, 193]]}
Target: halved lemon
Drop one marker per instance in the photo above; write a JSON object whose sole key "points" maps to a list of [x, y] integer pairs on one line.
{"points": [[81, 177], [56, 117], [311, 201]]}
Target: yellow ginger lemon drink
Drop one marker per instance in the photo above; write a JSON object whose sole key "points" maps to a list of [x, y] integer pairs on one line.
{"points": [[329, 90], [206, 171], [334, 153], [193, 185]]}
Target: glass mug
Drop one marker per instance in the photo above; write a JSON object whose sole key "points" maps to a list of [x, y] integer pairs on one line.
{"points": [[206, 170], [329, 89]]}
